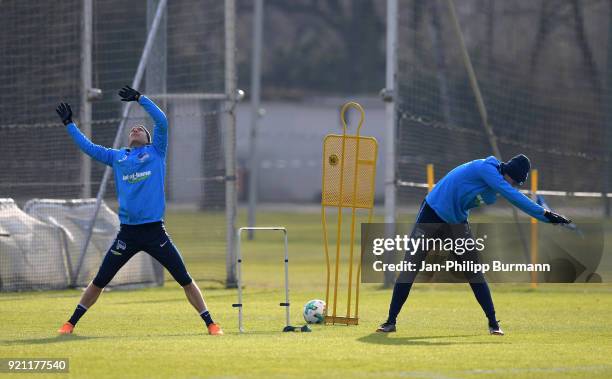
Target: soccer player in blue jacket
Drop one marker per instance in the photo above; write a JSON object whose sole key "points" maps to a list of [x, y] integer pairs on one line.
{"points": [[140, 171], [467, 186]]}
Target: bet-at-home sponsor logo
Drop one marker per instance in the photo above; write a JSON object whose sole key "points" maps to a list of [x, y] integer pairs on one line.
{"points": [[136, 177]]}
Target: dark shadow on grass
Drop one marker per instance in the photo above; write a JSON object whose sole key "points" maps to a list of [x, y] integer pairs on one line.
{"points": [[75, 337], [277, 333], [386, 339], [181, 297], [162, 336], [46, 340]]}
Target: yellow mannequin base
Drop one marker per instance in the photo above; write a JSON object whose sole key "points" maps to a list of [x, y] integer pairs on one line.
{"points": [[341, 320]]}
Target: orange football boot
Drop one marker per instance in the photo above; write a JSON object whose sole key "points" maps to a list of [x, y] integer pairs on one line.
{"points": [[215, 330], [67, 328]]}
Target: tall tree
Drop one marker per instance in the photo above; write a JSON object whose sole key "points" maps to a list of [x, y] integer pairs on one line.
{"points": [[354, 64]]}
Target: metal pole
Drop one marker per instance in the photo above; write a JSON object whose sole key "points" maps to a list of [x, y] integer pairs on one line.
{"points": [[430, 177], [534, 229], [126, 111], [255, 112], [389, 97], [155, 83], [287, 303], [608, 123], [156, 71], [239, 281], [230, 142], [85, 109]]}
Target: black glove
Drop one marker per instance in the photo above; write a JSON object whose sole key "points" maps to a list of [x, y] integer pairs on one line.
{"points": [[556, 218], [128, 93], [65, 113]]}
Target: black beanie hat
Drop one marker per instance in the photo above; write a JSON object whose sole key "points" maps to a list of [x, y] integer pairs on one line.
{"points": [[517, 168]]}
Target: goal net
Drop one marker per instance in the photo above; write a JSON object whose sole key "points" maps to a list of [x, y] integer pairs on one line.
{"points": [[540, 68], [41, 65]]}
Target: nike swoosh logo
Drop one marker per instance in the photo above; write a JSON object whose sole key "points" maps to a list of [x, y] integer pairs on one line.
{"points": [[115, 252], [163, 244]]}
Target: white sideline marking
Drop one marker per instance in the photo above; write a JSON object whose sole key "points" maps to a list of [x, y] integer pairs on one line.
{"points": [[537, 369], [458, 374], [402, 183], [425, 374]]}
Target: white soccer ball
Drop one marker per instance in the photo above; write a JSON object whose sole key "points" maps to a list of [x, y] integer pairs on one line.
{"points": [[314, 311]]}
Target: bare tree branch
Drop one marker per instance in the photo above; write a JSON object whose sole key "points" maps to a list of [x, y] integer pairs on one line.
{"points": [[585, 48]]}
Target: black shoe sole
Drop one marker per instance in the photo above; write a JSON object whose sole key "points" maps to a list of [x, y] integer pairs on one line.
{"points": [[382, 330]]}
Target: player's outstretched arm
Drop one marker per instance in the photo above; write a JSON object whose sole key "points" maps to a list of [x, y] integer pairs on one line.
{"points": [[97, 152], [160, 132], [494, 180]]}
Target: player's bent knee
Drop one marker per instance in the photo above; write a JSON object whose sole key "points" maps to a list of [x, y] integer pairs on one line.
{"points": [[475, 278], [100, 282], [95, 286], [184, 281], [406, 277]]}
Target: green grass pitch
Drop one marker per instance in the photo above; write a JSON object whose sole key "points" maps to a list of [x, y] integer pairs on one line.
{"points": [[553, 331]]}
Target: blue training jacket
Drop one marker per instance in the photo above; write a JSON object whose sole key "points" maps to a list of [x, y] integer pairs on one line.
{"points": [[139, 172], [472, 184]]}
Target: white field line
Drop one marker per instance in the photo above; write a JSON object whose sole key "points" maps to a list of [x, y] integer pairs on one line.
{"points": [[402, 183], [498, 371]]}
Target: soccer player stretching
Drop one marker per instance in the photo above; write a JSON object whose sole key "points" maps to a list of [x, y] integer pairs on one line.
{"points": [[139, 171], [466, 187]]}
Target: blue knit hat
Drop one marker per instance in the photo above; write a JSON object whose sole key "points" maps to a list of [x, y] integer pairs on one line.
{"points": [[517, 168]]}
